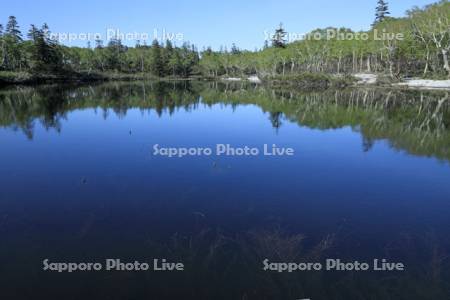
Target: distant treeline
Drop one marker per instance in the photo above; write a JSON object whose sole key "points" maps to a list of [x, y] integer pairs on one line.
{"points": [[421, 50], [39, 53], [416, 45]]}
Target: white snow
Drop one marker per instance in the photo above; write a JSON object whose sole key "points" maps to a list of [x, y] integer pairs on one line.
{"points": [[254, 79], [426, 84], [366, 78]]}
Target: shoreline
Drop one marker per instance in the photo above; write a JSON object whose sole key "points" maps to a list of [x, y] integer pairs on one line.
{"points": [[303, 80], [24, 78]]}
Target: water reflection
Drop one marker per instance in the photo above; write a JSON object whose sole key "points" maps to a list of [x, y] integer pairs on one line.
{"points": [[88, 196], [417, 122]]}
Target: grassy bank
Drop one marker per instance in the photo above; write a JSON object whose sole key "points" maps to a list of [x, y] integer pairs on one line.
{"points": [[304, 80], [311, 81], [25, 78]]}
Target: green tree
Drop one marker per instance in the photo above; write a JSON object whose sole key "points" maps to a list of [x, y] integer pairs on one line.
{"points": [[12, 40], [115, 55], [174, 64], [432, 29], [13, 29], [99, 57], [234, 49], [166, 55], [279, 38], [156, 60], [45, 53], [2, 48], [382, 11]]}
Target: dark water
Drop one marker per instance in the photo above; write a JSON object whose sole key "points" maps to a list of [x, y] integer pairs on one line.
{"points": [[79, 183]]}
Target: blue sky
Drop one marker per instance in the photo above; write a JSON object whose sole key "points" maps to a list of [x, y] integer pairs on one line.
{"points": [[204, 23]]}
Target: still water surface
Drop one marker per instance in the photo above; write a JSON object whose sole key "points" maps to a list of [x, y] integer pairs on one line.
{"points": [[79, 183]]}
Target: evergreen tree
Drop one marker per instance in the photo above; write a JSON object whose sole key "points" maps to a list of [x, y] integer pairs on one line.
{"points": [[174, 64], [13, 30], [156, 60], [208, 51], [235, 49], [382, 11], [2, 48], [115, 54], [169, 46], [167, 54], [98, 43], [45, 54], [12, 58], [279, 38], [33, 33]]}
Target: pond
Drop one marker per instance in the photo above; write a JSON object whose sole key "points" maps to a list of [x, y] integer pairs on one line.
{"points": [[85, 176]]}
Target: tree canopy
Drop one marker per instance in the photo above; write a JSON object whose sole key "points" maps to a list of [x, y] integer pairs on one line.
{"points": [[417, 44]]}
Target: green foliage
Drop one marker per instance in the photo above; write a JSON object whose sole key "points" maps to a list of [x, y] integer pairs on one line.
{"points": [[382, 11], [114, 55], [311, 81], [416, 45], [45, 55], [12, 30], [40, 54], [279, 38], [156, 60]]}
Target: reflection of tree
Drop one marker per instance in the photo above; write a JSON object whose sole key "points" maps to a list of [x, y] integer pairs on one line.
{"points": [[275, 119], [367, 144], [414, 121], [20, 108]]}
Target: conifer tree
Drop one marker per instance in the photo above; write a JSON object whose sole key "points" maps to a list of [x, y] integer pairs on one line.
{"points": [[98, 43], [13, 30], [33, 33], [174, 64], [45, 54], [279, 38], [382, 11], [115, 54], [235, 49], [12, 45], [2, 48], [156, 60], [169, 46]]}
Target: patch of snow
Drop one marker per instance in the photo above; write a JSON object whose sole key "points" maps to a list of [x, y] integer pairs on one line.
{"points": [[426, 84], [254, 79], [232, 79], [366, 78]]}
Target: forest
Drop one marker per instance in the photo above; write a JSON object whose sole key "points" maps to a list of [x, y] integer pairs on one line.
{"points": [[421, 52]]}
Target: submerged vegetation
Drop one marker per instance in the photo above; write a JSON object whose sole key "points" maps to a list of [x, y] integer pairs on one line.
{"points": [[415, 45]]}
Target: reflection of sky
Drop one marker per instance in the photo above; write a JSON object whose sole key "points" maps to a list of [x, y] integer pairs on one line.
{"points": [[334, 159], [94, 169]]}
